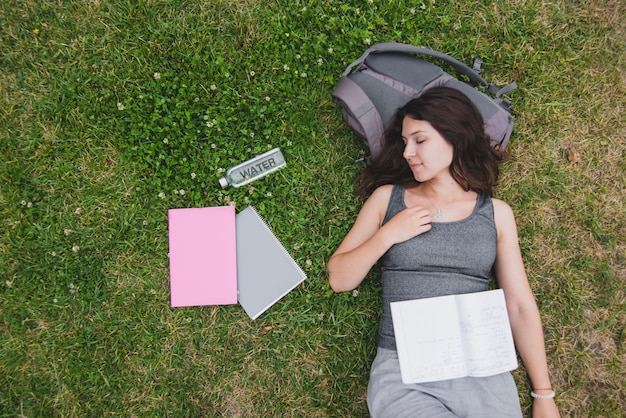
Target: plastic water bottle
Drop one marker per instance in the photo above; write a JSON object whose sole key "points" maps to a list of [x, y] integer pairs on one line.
{"points": [[253, 169]]}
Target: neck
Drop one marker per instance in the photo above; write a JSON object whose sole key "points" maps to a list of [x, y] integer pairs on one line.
{"points": [[442, 190]]}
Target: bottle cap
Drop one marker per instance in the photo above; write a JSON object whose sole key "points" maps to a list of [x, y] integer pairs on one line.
{"points": [[224, 182]]}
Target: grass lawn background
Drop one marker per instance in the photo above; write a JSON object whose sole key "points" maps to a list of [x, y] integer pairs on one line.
{"points": [[113, 112]]}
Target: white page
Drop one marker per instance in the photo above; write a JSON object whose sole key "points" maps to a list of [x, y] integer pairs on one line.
{"points": [[428, 339], [486, 333]]}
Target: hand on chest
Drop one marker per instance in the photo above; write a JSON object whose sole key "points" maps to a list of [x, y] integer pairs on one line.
{"points": [[443, 209]]}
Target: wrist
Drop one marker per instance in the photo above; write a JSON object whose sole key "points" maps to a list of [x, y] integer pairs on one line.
{"points": [[542, 393], [542, 388]]}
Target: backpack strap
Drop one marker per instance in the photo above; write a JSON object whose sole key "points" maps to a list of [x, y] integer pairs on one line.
{"points": [[473, 75], [361, 108], [505, 103]]}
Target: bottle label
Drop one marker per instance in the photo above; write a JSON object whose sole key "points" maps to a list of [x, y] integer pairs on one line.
{"points": [[256, 168]]}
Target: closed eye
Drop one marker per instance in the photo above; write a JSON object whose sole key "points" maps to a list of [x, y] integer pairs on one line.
{"points": [[415, 140]]}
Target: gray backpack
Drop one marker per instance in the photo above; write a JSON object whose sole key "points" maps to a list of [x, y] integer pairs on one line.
{"points": [[388, 75]]}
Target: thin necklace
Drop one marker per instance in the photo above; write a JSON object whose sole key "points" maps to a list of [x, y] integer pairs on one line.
{"points": [[437, 214]]}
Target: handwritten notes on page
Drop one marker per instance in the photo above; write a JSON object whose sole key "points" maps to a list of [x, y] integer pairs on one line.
{"points": [[453, 336]]}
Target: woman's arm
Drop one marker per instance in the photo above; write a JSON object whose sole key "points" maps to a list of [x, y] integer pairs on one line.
{"points": [[367, 241], [522, 308]]}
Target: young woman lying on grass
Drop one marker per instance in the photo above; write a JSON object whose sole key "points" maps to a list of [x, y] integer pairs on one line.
{"points": [[432, 223]]}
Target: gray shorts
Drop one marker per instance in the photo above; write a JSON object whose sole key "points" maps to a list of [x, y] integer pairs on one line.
{"points": [[468, 397]]}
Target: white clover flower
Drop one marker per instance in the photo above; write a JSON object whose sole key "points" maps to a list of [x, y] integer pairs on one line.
{"points": [[285, 67], [267, 98], [193, 176], [355, 293], [367, 41], [303, 75], [182, 192], [75, 248], [53, 253], [166, 141], [330, 50], [66, 232], [78, 211], [213, 146], [156, 76], [209, 124], [229, 201], [213, 87], [120, 106], [298, 56], [320, 61], [161, 195]]}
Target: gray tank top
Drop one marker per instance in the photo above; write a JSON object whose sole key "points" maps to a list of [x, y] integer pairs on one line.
{"points": [[452, 258]]}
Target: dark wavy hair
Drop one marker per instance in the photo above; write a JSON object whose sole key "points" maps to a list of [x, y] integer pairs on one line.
{"points": [[475, 164]]}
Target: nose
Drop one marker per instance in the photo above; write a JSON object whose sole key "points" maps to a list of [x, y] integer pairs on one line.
{"points": [[409, 150]]}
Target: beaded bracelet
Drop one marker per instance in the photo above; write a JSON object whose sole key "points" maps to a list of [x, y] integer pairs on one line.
{"points": [[547, 396]]}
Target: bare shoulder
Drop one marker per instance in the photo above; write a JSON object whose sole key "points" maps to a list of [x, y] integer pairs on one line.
{"points": [[382, 193], [376, 204], [504, 218], [500, 207]]}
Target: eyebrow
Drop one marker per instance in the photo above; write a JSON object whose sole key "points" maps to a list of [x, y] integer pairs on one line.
{"points": [[414, 133]]}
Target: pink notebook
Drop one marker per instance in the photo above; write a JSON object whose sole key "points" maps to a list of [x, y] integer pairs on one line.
{"points": [[203, 260]]}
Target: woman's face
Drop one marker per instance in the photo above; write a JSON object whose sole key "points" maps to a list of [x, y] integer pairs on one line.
{"points": [[428, 154]]}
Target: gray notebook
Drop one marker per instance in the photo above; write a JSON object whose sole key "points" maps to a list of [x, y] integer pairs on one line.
{"points": [[265, 270]]}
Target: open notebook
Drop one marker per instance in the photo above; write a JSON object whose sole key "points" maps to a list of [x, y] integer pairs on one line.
{"points": [[447, 337], [265, 270]]}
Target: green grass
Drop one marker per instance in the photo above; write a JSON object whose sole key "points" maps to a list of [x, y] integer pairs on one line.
{"points": [[113, 112]]}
